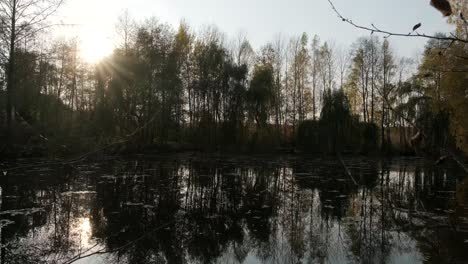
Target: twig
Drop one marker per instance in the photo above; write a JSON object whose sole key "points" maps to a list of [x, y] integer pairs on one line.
{"points": [[375, 29]]}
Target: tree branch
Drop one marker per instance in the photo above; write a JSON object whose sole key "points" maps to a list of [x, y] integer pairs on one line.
{"points": [[414, 34]]}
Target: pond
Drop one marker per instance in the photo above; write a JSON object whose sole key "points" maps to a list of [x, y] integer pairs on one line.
{"points": [[236, 209]]}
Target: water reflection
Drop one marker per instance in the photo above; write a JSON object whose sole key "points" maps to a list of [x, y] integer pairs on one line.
{"points": [[236, 210]]}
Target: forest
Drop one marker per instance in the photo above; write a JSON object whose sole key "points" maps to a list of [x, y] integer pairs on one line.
{"points": [[188, 145], [181, 89]]}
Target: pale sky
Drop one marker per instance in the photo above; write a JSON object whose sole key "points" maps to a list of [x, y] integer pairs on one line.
{"points": [[261, 20]]}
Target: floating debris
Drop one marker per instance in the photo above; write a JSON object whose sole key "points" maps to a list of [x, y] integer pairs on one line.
{"points": [[134, 204], [231, 174], [11, 197], [5, 222], [78, 193], [108, 177], [303, 174], [27, 211]]}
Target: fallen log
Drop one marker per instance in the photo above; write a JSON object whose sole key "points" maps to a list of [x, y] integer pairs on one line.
{"points": [[458, 161], [348, 172]]}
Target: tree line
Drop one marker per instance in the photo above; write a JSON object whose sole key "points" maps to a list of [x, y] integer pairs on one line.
{"points": [[164, 86]]}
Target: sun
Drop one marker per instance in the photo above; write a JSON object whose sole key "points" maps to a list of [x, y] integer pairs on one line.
{"points": [[95, 46], [93, 27], [95, 53]]}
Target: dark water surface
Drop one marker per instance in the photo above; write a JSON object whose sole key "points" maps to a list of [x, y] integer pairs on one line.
{"points": [[182, 209]]}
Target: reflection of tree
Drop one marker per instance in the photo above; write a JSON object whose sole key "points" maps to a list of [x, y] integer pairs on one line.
{"points": [[446, 242], [409, 198], [148, 195], [215, 211], [258, 203], [44, 218], [368, 234]]}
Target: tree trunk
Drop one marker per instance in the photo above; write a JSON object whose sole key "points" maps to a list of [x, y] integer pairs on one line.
{"points": [[11, 72], [382, 127]]}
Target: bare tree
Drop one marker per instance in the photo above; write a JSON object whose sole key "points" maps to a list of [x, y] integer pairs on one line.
{"points": [[343, 60], [388, 71], [242, 51], [125, 29], [299, 72], [315, 69], [21, 19], [327, 65], [279, 50]]}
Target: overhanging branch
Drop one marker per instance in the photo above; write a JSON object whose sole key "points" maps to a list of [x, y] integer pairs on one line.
{"points": [[374, 29]]}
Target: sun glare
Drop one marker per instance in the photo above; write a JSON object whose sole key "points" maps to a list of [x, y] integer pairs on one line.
{"points": [[92, 27], [95, 46], [84, 230]]}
